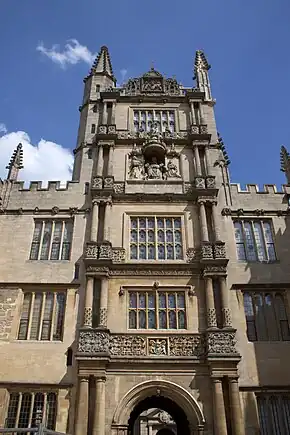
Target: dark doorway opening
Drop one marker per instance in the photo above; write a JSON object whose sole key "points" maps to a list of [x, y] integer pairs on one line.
{"points": [[165, 404]]}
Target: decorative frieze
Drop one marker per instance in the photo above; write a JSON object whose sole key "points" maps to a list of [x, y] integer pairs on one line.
{"points": [[206, 251], [105, 251], [212, 271], [221, 343], [219, 250], [119, 188], [95, 341], [213, 251], [129, 271], [92, 251], [119, 255]]}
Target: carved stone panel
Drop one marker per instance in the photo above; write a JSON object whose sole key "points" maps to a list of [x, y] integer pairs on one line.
{"points": [[93, 342], [186, 345], [157, 346], [127, 345], [221, 343]]}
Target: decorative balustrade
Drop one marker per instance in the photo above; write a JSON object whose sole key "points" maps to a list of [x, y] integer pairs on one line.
{"points": [[96, 342], [213, 251]]}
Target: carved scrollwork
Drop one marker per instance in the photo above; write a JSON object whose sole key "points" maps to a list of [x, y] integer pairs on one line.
{"points": [[92, 251], [206, 251], [119, 188], [210, 182], [214, 270], [125, 345], [118, 255], [93, 342], [105, 251], [219, 250], [186, 346]]}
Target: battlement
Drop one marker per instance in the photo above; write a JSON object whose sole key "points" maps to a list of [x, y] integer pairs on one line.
{"points": [[43, 186], [255, 189]]}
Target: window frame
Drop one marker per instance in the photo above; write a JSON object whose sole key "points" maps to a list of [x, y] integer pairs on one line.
{"points": [[265, 316], [53, 221], [267, 419], [152, 108], [40, 318], [157, 290], [140, 215], [32, 408], [252, 221]]}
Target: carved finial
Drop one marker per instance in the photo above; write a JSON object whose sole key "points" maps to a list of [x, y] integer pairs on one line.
{"points": [[201, 67], [15, 164], [102, 64], [285, 163]]}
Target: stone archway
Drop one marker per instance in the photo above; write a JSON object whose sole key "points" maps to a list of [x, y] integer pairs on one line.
{"points": [[163, 394]]}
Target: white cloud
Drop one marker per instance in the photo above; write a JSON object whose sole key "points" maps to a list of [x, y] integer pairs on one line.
{"points": [[3, 129], [44, 161], [73, 53]]}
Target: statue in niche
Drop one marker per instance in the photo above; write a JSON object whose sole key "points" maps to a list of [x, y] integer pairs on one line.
{"points": [[172, 171], [155, 170], [136, 165]]}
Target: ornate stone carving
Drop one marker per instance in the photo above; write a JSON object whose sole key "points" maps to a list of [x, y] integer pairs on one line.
{"points": [[103, 317], [226, 212], [203, 129], [192, 254], [175, 135], [227, 317], [210, 182], [119, 188], [73, 210], [92, 251], [157, 346], [221, 343], [186, 345], [211, 318], [88, 317], [55, 210], [109, 182], [214, 270], [199, 182], [219, 250], [188, 188], [105, 251], [102, 129], [260, 212], [126, 135], [112, 129], [206, 251], [165, 418], [127, 345], [127, 271], [136, 169], [194, 129], [36, 210], [152, 83], [93, 342], [118, 255], [172, 170], [240, 212], [97, 183]]}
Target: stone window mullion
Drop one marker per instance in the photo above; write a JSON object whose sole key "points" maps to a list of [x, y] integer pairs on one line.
{"points": [[51, 239], [41, 315], [18, 410], [264, 240], [41, 240], [30, 318], [61, 240], [53, 317], [31, 409]]}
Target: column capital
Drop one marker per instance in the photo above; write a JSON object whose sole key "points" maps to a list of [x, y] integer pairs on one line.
{"points": [[83, 378], [234, 380], [100, 378], [216, 380]]}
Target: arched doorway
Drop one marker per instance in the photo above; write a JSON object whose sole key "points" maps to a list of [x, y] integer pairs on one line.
{"points": [[163, 395], [178, 416]]}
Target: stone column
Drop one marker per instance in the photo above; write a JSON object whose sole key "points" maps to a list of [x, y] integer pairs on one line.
{"points": [[219, 413], [203, 222], [110, 162], [100, 162], [105, 114], [81, 423], [215, 221], [227, 321], [89, 296], [201, 115], [104, 303], [192, 114], [207, 162], [197, 161], [95, 220], [238, 426], [210, 308], [99, 411], [113, 117], [108, 205]]}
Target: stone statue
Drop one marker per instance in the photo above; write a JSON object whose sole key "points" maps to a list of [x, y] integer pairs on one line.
{"points": [[154, 170], [136, 165], [172, 171]]}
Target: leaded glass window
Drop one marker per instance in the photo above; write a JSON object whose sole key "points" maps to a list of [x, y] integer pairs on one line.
{"points": [[42, 316], [155, 238], [157, 310], [274, 413], [164, 120], [23, 407], [266, 316], [51, 240], [254, 240]]}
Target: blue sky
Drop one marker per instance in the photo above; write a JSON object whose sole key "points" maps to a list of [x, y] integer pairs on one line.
{"points": [[246, 42]]}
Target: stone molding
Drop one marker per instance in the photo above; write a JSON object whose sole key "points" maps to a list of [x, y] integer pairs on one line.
{"points": [[94, 341], [130, 270], [212, 271]]}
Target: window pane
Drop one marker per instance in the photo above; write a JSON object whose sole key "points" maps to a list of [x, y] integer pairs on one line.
{"points": [[151, 301], [272, 326], [260, 318], [67, 239], [180, 300], [46, 241], [36, 241], [47, 317], [151, 319], [142, 319], [132, 319], [162, 319], [171, 300], [51, 411], [282, 317], [142, 300], [24, 410], [55, 248], [259, 241], [35, 325], [162, 300], [133, 300], [250, 244], [181, 319], [23, 327], [12, 410], [38, 405], [59, 316], [172, 320]]}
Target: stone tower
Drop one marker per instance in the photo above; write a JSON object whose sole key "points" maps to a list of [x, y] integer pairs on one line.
{"points": [[149, 295]]}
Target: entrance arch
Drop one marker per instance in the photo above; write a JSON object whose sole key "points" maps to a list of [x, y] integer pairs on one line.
{"points": [[173, 398]]}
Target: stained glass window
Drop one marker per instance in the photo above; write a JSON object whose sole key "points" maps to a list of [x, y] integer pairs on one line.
{"points": [[254, 241], [157, 310], [155, 238]]}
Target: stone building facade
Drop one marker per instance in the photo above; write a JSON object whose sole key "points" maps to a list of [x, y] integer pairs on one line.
{"points": [[149, 282]]}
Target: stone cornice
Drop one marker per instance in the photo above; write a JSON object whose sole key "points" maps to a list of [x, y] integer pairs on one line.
{"points": [[254, 213]]}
